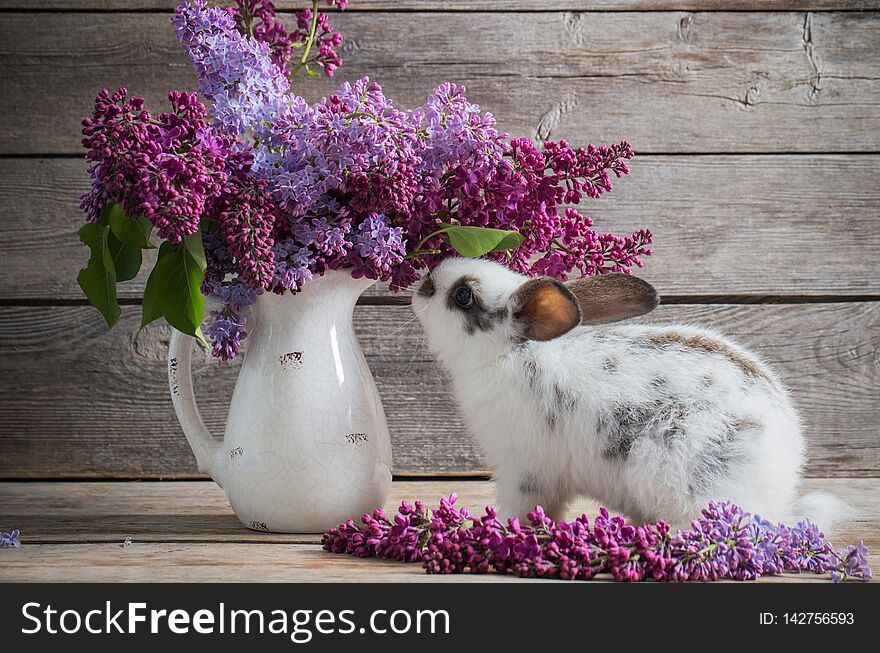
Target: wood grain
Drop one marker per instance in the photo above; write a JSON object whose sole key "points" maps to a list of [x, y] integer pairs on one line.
{"points": [[72, 532], [212, 563], [793, 225], [666, 81], [198, 511], [76, 401]]}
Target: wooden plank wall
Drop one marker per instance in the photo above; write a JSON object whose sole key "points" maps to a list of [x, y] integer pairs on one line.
{"points": [[757, 129]]}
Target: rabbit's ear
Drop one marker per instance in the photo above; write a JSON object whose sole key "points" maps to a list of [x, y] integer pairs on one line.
{"points": [[612, 297], [544, 309]]}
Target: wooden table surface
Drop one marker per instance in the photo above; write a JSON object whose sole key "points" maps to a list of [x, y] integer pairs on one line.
{"points": [[185, 531]]}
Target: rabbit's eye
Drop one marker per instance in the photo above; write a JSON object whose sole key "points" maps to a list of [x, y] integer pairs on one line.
{"points": [[464, 296]]}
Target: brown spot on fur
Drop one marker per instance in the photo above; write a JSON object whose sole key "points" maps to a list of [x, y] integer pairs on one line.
{"points": [[529, 485], [557, 403], [545, 308], [629, 422], [659, 382], [610, 365], [563, 400], [531, 371], [707, 345], [552, 401], [737, 426]]}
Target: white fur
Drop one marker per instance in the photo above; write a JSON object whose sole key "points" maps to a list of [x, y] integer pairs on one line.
{"points": [[550, 429]]}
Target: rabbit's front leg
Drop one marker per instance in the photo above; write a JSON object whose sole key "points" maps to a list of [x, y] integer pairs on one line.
{"points": [[519, 492]]}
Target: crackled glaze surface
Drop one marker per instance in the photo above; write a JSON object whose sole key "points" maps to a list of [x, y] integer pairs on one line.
{"points": [[306, 444]]}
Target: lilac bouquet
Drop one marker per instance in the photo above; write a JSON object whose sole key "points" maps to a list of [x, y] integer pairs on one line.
{"points": [[262, 191], [725, 542]]}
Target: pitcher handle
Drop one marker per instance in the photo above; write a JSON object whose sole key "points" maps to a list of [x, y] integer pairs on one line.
{"points": [[205, 447]]}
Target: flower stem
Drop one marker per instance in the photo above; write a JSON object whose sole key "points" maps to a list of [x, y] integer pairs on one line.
{"points": [[309, 41], [430, 236], [247, 20], [421, 252]]}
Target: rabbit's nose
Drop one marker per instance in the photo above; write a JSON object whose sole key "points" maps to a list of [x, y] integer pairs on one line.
{"points": [[427, 288]]}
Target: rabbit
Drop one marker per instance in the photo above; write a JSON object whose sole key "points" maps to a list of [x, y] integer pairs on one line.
{"points": [[653, 421]]}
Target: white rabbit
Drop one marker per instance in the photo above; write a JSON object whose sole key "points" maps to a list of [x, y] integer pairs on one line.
{"points": [[653, 421]]}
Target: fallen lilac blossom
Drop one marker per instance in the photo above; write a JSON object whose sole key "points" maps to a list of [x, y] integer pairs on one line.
{"points": [[10, 540], [725, 542]]}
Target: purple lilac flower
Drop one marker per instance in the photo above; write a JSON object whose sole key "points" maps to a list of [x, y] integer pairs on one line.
{"points": [[292, 265], [226, 331], [247, 218], [379, 246], [854, 565], [237, 74], [256, 18], [724, 542], [10, 540], [225, 327], [167, 169], [323, 53]]}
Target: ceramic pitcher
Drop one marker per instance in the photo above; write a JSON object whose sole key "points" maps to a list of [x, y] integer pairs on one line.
{"points": [[306, 444]]}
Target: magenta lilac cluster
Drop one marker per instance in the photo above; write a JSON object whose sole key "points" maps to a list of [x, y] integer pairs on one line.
{"points": [[725, 542], [257, 19], [283, 190], [166, 168]]}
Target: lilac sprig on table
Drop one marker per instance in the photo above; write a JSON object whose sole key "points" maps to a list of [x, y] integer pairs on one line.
{"points": [[10, 540], [253, 189], [725, 542]]}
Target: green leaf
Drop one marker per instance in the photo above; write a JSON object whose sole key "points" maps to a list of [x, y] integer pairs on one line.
{"points": [[175, 290], [472, 242], [98, 278], [126, 258], [311, 73], [104, 218], [196, 248], [150, 308], [510, 242], [201, 337], [131, 232]]}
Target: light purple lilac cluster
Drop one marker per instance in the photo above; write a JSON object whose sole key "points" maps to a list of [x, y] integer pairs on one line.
{"points": [[725, 542], [283, 190], [247, 90]]}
